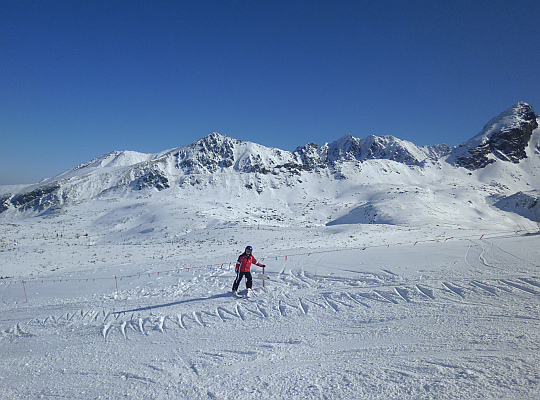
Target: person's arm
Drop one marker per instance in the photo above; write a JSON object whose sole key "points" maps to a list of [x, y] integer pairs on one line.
{"points": [[238, 263]]}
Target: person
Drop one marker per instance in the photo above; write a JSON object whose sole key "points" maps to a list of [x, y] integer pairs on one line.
{"points": [[243, 268]]}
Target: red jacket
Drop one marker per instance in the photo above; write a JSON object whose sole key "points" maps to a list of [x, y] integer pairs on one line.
{"points": [[244, 263]]}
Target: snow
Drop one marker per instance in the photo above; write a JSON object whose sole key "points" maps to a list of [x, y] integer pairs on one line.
{"points": [[349, 311], [385, 281], [442, 319]]}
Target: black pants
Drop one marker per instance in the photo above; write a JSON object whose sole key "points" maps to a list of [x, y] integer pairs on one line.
{"points": [[239, 276]]}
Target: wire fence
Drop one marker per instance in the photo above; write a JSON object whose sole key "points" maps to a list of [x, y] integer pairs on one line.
{"points": [[116, 279]]}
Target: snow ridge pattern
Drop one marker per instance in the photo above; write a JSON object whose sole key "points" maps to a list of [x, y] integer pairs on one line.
{"points": [[325, 326]]}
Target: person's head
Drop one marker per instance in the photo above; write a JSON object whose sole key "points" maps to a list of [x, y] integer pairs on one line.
{"points": [[248, 250]]}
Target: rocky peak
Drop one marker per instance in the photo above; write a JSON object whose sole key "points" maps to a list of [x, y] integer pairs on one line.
{"points": [[216, 152], [215, 142], [386, 147], [505, 138], [308, 155], [208, 154], [346, 148]]}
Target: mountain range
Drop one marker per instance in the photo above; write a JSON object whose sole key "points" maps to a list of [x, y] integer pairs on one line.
{"points": [[386, 180]]}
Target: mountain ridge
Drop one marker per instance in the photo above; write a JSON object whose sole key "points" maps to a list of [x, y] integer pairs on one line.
{"points": [[240, 167], [217, 151]]}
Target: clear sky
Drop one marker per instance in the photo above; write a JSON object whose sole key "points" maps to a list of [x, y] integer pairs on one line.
{"points": [[81, 78]]}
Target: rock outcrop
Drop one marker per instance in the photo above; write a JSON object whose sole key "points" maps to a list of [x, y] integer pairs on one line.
{"points": [[505, 138]]}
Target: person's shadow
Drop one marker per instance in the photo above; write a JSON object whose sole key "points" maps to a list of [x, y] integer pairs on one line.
{"points": [[217, 296]]}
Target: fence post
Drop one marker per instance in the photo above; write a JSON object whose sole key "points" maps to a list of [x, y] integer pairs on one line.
{"points": [[24, 287]]}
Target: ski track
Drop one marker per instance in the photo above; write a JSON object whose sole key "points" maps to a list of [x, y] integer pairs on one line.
{"points": [[304, 301]]}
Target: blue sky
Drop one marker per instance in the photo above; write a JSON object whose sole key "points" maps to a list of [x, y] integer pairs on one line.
{"points": [[82, 78]]}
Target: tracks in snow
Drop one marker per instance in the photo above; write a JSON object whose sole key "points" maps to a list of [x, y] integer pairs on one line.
{"points": [[310, 298], [289, 296]]}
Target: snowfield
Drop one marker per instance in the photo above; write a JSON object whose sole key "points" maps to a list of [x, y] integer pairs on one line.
{"points": [[414, 314]]}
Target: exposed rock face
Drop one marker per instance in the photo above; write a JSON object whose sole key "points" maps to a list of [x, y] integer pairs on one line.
{"points": [[505, 138], [154, 179], [309, 155], [349, 148], [207, 154], [38, 199], [4, 203], [217, 152], [524, 204]]}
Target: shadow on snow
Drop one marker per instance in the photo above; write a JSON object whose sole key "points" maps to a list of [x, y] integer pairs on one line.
{"points": [[217, 296]]}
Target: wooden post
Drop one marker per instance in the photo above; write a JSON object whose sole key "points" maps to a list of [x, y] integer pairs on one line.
{"points": [[24, 287]]}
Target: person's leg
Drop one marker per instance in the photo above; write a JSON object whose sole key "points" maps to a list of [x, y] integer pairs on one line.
{"points": [[239, 276], [249, 280]]}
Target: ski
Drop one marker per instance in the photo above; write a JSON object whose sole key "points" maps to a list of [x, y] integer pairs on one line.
{"points": [[245, 294]]}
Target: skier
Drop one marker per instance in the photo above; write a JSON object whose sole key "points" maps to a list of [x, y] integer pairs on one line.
{"points": [[243, 268]]}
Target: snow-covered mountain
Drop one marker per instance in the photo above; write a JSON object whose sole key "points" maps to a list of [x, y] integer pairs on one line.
{"points": [[506, 137], [390, 181]]}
